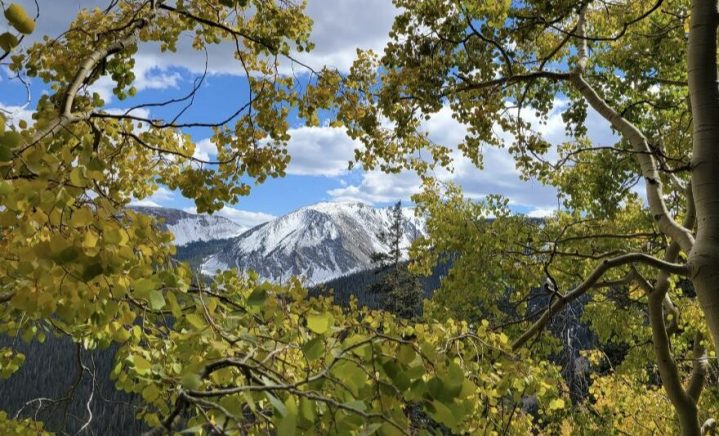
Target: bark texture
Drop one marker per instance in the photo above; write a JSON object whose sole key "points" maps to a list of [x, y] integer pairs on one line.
{"points": [[702, 68]]}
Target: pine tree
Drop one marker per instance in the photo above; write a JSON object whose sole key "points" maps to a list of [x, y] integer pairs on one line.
{"points": [[401, 290]]}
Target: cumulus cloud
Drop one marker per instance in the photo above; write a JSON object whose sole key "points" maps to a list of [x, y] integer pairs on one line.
{"points": [[160, 198], [346, 25], [320, 151], [244, 218], [339, 28], [205, 149], [378, 187], [499, 175], [541, 212]]}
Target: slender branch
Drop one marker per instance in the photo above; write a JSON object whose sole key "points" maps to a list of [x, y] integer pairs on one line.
{"points": [[647, 163], [598, 272]]}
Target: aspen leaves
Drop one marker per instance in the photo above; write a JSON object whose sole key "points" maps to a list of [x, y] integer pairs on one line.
{"points": [[19, 19]]}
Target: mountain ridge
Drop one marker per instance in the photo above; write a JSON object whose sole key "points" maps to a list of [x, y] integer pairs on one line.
{"points": [[318, 242], [188, 227]]}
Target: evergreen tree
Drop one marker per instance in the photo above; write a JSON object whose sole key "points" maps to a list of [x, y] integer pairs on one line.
{"points": [[401, 290]]}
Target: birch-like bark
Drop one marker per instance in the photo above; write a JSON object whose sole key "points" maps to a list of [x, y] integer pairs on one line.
{"points": [[704, 96]]}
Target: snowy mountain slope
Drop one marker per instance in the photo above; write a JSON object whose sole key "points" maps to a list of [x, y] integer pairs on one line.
{"points": [[318, 242], [188, 227]]}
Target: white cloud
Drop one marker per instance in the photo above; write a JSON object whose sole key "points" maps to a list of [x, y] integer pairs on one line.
{"points": [[150, 75], [144, 203], [205, 149], [314, 151], [320, 151], [13, 114], [244, 218], [378, 187], [342, 26], [159, 198], [541, 212], [499, 175], [339, 28]]}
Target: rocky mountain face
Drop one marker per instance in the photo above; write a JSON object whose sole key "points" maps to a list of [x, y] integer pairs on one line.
{"points": [[188, 227], [317, 243]]}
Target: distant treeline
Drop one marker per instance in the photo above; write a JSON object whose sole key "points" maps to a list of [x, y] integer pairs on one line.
{"points": [[195, 252], [359, 283]]}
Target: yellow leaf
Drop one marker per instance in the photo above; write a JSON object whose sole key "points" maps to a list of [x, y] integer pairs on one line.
{"points": [[81, 217], [556, 404], [90, 240], [319, 323]]}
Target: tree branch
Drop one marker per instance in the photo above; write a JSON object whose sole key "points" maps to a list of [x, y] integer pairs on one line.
{"points": [[598, 272]]}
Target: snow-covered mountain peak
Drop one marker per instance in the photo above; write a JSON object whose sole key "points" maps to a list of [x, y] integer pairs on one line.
{"points": [[318, 242], [333, 207], [188, 227]]}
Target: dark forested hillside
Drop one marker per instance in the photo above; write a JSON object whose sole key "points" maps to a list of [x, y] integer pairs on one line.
{"points": [[195, 252], [66, 388], [358, 284]]}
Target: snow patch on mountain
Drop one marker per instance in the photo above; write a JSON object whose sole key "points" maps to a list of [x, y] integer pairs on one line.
{"points": [[318, 242], [188, 227]]}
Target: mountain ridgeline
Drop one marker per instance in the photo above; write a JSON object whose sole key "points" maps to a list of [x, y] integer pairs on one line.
{"points": [[188, 227], [317, 243]]}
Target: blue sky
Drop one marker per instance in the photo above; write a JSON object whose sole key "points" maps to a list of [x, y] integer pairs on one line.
{"points": [[318, 171]]}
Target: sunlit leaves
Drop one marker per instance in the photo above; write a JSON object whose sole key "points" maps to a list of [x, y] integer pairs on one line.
{"points": [[19, 19], [20, 427], [306, 363], [319, 323]]}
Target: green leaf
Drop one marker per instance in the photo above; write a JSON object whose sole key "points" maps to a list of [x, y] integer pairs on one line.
{"points": [[142, 366], [556, 404], [144, 286], [191, 381], [257, 297], [91, 271], [195, 429], [76, 177], [406, 354], [319, 323], [157, 301], [307, 410], [8, 41], [66, 256], [442, 414], [174, 306], [314, 349], [19, 19], [81, 217], [287, 424], [151, 393], [11, 139], [5, 153], [277, 404], [196, 321]]}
